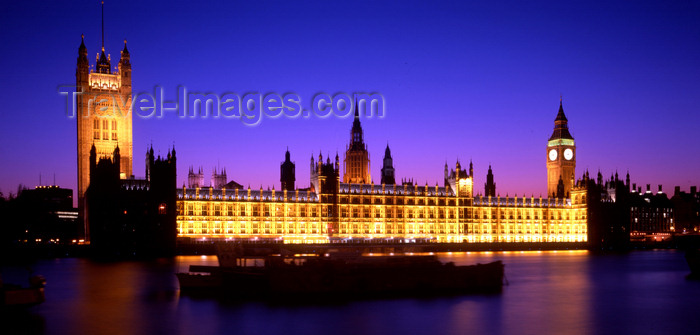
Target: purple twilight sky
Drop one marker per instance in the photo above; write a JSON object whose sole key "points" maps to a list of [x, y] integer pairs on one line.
{"points": [[476, 81]]}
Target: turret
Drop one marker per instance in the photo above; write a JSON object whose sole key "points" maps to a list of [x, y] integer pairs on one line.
{"points": [[490, 186], [83, 69], [320, 163], [125, 68], [388, 168], [93, 159], [149, 163], [287, 173], [116, 158]]}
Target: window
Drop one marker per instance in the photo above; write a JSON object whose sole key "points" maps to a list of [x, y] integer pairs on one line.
{"points": [[162, 209]]}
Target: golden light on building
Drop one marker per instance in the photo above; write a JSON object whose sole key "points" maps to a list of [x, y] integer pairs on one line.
{"points": [[331, 210], [383, 212], [104, 119]]}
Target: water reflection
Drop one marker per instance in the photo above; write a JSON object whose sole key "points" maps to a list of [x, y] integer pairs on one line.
{"points": [[548, 292]]}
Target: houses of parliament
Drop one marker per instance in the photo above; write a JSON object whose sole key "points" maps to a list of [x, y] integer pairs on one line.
{"points": [[350, 205], [333, 206]]}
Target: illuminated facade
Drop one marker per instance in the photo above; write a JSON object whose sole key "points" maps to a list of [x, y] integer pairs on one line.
{"points": [[331, 210], [103, 114]]}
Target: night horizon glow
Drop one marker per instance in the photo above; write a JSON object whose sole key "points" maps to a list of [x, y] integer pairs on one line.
{"points": [[477, 82]]}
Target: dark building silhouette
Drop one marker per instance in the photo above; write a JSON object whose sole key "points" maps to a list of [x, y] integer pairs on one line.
{"points": [[325, 176], [686, 210], [132, 217], [43, 215], [388, 168], [490, 186], [608, 212], [651, 216], [287, 173], [471, 169], [233, 185]]}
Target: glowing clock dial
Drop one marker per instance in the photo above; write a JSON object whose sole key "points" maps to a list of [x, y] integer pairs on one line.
{"points": [[552, 154], [568, 154]]}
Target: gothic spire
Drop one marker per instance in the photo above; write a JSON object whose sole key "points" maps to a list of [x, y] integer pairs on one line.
{"points": [[125, 51], [560, 114], [356, 138], [82, 47], [82, 53], [561, 127]]}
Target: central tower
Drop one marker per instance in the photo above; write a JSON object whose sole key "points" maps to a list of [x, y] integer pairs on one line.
{"points": [[356, 155], [561, 158]]}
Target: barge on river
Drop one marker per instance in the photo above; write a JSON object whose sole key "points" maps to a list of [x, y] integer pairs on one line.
{"points": [[338, 275]]}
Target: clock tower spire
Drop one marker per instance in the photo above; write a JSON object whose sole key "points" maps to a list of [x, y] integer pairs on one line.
{"points": [[561, 157]]}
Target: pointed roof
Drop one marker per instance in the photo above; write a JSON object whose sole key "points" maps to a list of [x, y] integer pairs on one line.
{"points": [[561, 127], [356, 138], [82, 44], [356, 122], [103, 63], [125, 51], [82, 54], [560, 114]]}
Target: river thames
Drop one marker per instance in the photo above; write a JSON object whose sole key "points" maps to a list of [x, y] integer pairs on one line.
{"points": [[548, 292]]}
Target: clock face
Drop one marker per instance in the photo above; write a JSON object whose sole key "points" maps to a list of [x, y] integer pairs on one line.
{"points": [[552, 154], [568, 154]]}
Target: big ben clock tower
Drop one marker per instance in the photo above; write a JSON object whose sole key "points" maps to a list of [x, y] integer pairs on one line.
{"points": [[561, 158]]}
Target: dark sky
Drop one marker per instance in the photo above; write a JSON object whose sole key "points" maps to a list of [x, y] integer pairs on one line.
{"points": [[474, 80]]}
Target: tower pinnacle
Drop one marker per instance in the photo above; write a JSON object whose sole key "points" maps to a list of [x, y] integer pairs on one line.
{"points": [[103, 26]]}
